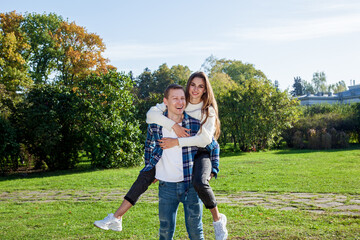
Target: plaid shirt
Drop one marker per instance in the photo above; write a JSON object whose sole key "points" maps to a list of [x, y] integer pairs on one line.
{"points": [[153, 151], [214, 150]]}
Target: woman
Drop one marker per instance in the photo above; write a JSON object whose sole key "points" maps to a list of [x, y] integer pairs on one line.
{"points": [[201, 105]]}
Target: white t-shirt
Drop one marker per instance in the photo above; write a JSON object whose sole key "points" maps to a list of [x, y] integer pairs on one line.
{"points": [[170, 166], [201, 139]]}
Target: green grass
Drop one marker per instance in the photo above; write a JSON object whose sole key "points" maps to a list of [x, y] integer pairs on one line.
{"points": [[334, 171]]}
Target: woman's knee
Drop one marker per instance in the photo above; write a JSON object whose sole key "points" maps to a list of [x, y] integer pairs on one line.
{"points": [[200, 184]]}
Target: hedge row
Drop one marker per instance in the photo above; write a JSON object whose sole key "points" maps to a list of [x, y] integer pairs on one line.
{"points": [[325, 126], [55, 123]]}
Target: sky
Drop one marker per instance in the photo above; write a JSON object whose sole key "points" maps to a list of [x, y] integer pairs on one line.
{"points": [[282, 38]]}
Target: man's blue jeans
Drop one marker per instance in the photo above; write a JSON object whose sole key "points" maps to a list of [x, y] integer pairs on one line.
{"points": [[170, 195]]}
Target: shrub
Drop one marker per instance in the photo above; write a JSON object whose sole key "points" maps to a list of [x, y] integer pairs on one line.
{"points": [[314, 139], [142, 106], [335, 118], [325, 140], [343, 140], [298, 140], [9, 147], [49, 126], [96, 116], [112, 135], [334, 137]]}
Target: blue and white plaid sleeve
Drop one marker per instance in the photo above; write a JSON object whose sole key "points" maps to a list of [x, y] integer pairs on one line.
{"points": [[149, 147], [214, 150]]}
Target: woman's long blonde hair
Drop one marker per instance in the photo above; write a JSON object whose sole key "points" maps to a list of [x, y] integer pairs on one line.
{"points": [[208, 100]]}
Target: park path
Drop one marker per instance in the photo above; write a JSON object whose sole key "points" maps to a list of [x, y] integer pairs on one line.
{"points": [[343, 204]]}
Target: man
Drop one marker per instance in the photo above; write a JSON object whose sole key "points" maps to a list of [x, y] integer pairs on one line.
{"points": [[173, 170]]}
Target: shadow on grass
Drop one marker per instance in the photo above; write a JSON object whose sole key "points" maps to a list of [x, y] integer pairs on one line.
{"points": [[299, 151], [82, 167], [231, 154]]}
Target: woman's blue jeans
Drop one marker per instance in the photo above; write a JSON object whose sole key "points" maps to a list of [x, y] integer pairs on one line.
{"points": [[170, 195]]}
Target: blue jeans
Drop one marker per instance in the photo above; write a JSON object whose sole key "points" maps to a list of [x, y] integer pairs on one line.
{"points": [[170, 195]]}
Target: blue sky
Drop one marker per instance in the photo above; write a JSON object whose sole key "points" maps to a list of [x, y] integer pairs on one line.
{"points": [[283, 38]]}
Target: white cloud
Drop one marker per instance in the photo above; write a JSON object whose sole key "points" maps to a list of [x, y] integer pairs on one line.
{"points": [[337, 5], [306, 29], [126, 51]]}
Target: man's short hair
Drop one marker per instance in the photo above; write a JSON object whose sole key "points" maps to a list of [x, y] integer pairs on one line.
{"points": [[172, 86]]}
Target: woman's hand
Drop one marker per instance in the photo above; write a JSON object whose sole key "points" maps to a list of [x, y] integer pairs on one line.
{"points": [[166, 143], [180, 131], [211, 176]]}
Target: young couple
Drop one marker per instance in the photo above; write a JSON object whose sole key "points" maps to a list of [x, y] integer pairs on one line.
{"points": [[182, 153]]}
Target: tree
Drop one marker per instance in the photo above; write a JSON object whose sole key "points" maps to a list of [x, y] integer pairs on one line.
{"points": [[238, 71], [222, 84], [319, 81], [9, 147], [276, 84], [161, 78], [57, 122], [180, 74], [43, 53], [112, 134], [144, 83], [253, 112], [5, 102], [80, 53], [339, 87], [48, 122], [298, 87], [13, 66], [156, 82], [308, 87]]}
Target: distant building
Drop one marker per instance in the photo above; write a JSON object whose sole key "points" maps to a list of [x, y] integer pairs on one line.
{"points": [[350, 96]]}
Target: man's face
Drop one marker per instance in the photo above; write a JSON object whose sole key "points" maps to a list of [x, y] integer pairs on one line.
{"points": [[176, 101]]}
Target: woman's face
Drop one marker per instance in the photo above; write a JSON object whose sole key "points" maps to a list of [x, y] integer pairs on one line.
{"points": [[196, 90]]}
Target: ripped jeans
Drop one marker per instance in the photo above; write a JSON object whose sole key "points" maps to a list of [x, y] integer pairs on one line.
{"points": [[170, 196]]}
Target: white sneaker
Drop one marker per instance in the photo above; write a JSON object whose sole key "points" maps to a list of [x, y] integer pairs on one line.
{"points": [[110, 222], [221, 232]]}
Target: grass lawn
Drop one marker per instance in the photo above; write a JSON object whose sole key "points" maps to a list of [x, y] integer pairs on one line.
{"points": [[282, 171]]}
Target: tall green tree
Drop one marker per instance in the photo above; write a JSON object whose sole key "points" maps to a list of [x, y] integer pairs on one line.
{"points": [[256, 114], [308, 87], [161, 78], [156, 82], [237, 70], [180, 74], [298, 87], [112, 134], [144, 83], [43, 53], [319, 82], [338, 87], [253, 112]]}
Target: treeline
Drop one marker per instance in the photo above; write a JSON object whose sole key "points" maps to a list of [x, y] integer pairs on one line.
{"points": [[253, 111], [60, 101], [316, 85]]}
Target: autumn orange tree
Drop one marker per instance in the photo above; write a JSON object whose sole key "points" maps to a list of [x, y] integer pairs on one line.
{"points": [[82, 53], [35, 46]]}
